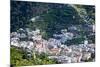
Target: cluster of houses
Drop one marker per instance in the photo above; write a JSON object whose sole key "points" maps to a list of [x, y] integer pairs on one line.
{"points": [[74, 53], [54, 47]]}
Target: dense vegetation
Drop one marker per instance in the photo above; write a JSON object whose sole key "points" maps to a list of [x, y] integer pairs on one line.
{"points": [[53, 17], [18, 58]]}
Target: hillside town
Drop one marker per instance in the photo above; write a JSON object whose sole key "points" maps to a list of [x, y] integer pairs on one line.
{"points": [[32, 41]]}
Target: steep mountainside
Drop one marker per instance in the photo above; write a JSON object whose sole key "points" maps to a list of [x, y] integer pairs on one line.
{"points": [[52, 17]]}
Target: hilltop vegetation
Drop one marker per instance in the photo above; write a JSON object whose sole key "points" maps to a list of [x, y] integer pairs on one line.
{"points": [[52, 17]]}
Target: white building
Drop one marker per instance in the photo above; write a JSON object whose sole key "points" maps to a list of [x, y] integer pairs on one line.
{"points": [[23, 44], [37, 37], [85, 42], [34, 18], [14, 41], [86, 56], [30, 45]]}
